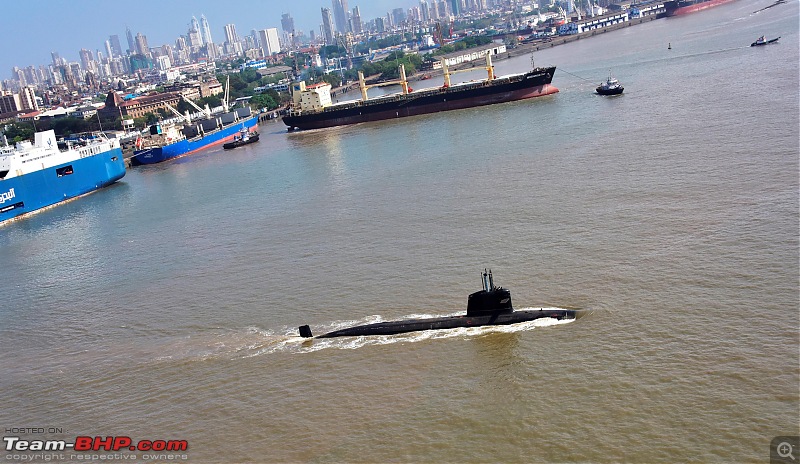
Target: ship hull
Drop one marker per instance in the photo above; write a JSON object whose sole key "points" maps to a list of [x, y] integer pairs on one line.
{"points": [[678, 8], [453, 322], [188, 146], [47, 187], [532, 84]]}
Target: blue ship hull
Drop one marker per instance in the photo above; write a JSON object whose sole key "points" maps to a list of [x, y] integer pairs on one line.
{"points": [[40, 189], [188, 146]]}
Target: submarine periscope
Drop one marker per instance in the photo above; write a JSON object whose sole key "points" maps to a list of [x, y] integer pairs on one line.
{"points": [[489, 306]]}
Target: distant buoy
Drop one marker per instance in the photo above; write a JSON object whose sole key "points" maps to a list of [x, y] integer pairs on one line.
{"points": [[669, 46]]}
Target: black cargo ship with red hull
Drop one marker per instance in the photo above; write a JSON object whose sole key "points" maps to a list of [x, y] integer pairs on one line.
{"points": [[682, 7], [493, 90]]}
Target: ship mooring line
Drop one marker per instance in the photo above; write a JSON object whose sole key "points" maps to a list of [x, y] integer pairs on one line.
{"points": [[579, 77]]}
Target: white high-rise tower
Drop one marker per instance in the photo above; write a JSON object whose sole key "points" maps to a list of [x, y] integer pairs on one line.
{"points": [[195, 31], [205, 30]]}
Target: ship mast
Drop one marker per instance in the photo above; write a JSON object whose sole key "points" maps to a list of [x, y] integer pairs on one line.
{"points": [[362, 85]]}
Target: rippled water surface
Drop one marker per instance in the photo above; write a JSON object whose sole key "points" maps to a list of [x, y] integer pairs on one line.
{"points": [[166, 306]]}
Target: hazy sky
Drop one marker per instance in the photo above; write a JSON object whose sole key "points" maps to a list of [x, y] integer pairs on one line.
{"points": [[33, 28]]}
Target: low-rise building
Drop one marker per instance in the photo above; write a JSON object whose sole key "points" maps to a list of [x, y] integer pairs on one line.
{"points": [[140, 106]]}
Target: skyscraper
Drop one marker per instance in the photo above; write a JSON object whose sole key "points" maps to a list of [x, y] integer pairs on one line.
{"points": [[230, 34], [327, 26], [141, 45], [194, 28], [455, 7], [269, 41], [340, 11], [116, 48], [206, 30], [287, 23], [194, 37], [355, 20], [424, 11], [131, 43], [398, 16], [86, 58]]}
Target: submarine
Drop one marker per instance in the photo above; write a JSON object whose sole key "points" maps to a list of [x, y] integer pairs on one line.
{"points": [[490, 306]]}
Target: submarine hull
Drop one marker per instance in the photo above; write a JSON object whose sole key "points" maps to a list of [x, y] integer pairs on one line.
{"points": [[451, 322]]}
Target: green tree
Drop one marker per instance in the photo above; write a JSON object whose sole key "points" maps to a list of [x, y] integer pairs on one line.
{"points": [[140, 123], [184, 106], [66, 126], [17, 132], [263, 100], [333, 79]]}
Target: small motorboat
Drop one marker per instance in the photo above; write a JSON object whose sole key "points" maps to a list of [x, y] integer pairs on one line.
{"points": [[610, 87], [245, 137], [763, 41]]}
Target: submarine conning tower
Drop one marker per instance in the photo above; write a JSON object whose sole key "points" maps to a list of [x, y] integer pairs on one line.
{"points": [[490, 300]]}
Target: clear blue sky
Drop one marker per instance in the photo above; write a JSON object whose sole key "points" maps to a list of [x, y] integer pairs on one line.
{"points": [[33, 28]]}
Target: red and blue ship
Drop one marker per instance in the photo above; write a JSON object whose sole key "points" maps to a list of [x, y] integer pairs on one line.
{"points": [[173, 141]]}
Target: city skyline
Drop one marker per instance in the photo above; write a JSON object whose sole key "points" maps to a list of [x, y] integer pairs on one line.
{"points": [[89, 25]]}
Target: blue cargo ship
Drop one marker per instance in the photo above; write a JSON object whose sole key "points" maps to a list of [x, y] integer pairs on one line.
{"points": [[172, 141], [41, 174]]}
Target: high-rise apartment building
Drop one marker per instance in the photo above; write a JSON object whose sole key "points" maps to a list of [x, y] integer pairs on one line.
{"points": [[116, 47], [195, 36], [444, 9], [327, 26], [206, 30], [289, 34], [24, 100], [230, 34], [27, 99], [340, 12], [355, 21], [131, 42], [86, 58], [141, 45], [269, 41], [455, 7], [109, 52], [398, 16], [287, 23], [424, 11], [9, 102]]}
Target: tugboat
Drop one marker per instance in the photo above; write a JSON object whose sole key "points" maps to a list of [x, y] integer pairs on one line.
{"points": [[245, 137], [763, 41], [610, 87], [490, 306]]}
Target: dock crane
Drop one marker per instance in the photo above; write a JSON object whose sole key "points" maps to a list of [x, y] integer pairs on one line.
{"points": [[404, 82], [205, 110]]}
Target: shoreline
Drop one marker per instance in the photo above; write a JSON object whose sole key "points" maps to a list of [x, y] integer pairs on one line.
{"points": [[519, 50]]}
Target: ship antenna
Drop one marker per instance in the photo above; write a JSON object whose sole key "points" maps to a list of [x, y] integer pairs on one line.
{"points": [[485, 276], [533, 66], [491, 280]]}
